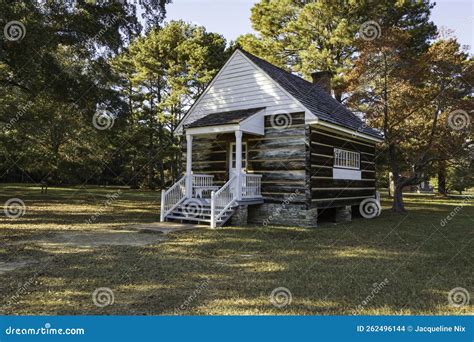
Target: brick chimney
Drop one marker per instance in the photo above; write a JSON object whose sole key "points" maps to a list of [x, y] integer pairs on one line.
{"points": [[323, 79]]}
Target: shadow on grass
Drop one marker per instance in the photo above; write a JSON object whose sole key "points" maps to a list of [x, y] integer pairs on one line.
{"points": [[333, 269]]}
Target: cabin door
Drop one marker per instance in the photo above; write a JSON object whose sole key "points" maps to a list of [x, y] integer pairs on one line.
{"points": [[232, 154]]}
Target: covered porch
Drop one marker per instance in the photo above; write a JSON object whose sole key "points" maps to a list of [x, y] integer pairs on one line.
{"points": [[201, 190]]}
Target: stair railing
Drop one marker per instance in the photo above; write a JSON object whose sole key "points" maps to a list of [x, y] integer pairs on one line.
{"points": [[222, 199], [251, 186], [172, 197]]}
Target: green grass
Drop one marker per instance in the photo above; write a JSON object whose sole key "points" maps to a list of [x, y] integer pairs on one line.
{"points": [[233, 270]]}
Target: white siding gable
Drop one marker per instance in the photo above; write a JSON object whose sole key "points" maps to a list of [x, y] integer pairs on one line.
{"points": [[241, 85]]}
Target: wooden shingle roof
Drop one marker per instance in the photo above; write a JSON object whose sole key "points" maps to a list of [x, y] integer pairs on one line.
{"points": [[225, 118], [314, 98]]}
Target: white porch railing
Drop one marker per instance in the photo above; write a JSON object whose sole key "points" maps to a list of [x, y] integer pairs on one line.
{"points": [[201, 184], [172, 197], [251, 186], [203, 180], [222, 199]]}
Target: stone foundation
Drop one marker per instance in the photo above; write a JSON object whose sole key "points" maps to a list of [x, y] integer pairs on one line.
{"points": [[282, 214], [343, 214], [240, 217]]}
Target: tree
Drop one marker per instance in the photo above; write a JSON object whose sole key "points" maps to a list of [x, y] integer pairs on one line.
{"points": [[306, 36], [161, 74], [54, 75], [410, 97], [461, 176]]}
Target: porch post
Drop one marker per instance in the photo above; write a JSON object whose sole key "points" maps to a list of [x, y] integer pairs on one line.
{"points": [[189, 161], [238, 162]]}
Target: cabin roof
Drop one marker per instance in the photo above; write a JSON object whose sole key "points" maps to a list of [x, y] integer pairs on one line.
{"points": [[313, 97], [225, 118]]}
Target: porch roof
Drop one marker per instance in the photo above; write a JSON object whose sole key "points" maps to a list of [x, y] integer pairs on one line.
{"points": [[225, 118]]}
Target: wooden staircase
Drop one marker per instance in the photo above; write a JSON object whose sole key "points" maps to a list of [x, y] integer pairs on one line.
{"points": [[198, 211], [184, 201]]}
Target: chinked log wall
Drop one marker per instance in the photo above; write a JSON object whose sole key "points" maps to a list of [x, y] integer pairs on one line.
{"points": [[210, 156], [296, 161], [280, 156], [327, 192]]}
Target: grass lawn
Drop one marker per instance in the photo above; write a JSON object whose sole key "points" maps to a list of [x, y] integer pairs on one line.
{"points": [[393, 264]]}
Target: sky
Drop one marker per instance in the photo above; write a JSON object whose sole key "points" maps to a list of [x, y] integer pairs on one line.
{"points": [[231, 17]]}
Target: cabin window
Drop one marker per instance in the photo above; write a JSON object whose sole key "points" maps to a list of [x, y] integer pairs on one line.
{"points": [[346, 159]]}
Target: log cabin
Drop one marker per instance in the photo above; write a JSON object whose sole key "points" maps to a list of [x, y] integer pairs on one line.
{"points": [[264, 146]]}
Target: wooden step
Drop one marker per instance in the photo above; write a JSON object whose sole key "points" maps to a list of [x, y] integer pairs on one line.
{"points": [[203, 217], [179, 213], [201, 212], [196, 219]]}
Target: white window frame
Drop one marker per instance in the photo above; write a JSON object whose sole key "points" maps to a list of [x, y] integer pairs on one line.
{"points": [[232, 155], [345, 159]]}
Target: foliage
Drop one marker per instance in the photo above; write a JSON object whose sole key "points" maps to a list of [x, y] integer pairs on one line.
{"points": [[52, 81], [410, 97], [160, 75], [306, 36], [75, 61], [461, 176]]}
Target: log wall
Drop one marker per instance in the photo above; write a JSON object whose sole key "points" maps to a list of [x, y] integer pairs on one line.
{"points": [[210, 156], [296, 161], [280, 156], [327, 192]]}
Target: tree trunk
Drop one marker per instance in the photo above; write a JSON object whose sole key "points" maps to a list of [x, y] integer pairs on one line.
{"points": [[161, 165], [151, 163], [442, 179], [391, 185], [151, 148], [398, 205]]}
